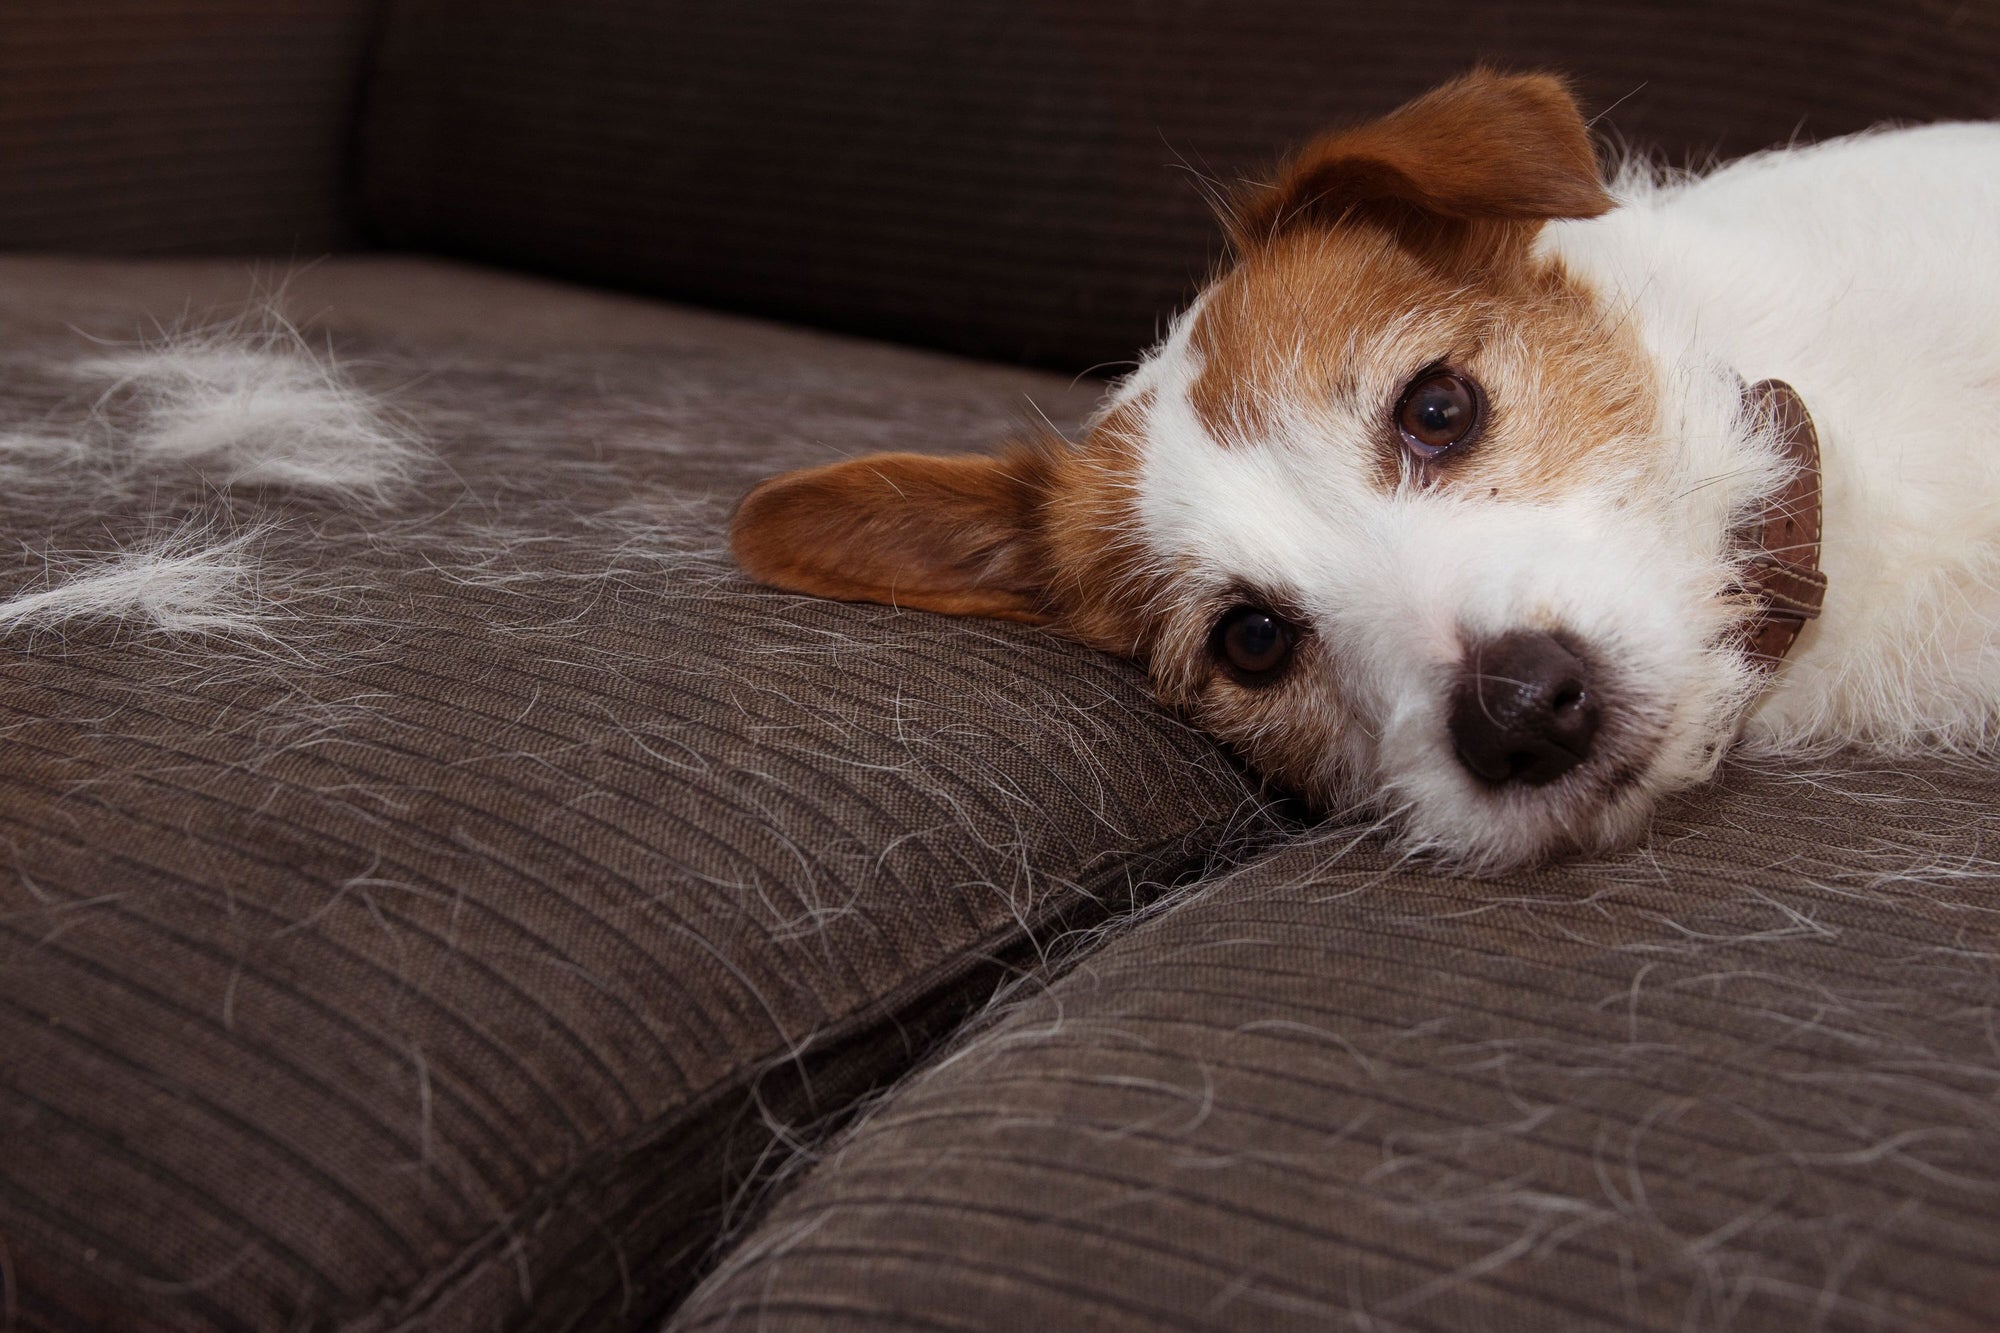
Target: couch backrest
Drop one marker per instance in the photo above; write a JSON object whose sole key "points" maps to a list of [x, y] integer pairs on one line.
{"points": [[1026, 179], [197, 126], [1023, 180]]}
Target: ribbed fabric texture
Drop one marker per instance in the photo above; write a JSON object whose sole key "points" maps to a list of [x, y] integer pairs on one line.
{"points": [[1741, 1079], [455, 959], [1029, 180], [153, 126]]}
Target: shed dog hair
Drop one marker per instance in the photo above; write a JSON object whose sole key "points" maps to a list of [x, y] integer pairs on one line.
{"points": [[1431, 503]]}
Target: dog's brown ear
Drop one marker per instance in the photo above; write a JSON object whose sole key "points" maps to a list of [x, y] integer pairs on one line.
{"points": [[957, 535], [1485, 148]]}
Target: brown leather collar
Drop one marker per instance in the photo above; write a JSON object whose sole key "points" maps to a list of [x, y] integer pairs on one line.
{"points": [[1782, 540]]}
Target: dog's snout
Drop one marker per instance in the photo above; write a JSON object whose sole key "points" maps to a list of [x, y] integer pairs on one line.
{"points": [[1523, 710]]}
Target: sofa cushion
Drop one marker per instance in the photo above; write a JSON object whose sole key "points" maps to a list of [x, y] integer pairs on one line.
{"points": [[1742, 1078], [437, 893], [1027, 180]]}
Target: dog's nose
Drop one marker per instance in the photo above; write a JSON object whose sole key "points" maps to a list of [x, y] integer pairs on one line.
{"points": [[1523, 710]]}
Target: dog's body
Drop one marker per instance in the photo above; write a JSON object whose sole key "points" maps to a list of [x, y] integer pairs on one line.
{"points": [[1866, 273], [1433, 502]]}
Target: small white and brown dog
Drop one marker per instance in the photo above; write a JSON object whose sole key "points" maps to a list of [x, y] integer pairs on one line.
{"points": [[1483, 495]]}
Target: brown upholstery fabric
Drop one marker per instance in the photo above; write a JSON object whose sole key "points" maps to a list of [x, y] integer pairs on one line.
{"points": [[453, 959], [148, 126], [1742, 1079], [1027, 180]]}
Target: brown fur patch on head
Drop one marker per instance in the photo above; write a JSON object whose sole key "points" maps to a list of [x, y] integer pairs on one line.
{"points": [[1111, 589], [1571, 395], [1292, 321], [1453, 174], [1414, 232], [1337, 323]]}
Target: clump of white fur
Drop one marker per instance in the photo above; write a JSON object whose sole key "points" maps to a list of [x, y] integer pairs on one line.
{"points": [[247, 404], [192, 581], [250, 405]]}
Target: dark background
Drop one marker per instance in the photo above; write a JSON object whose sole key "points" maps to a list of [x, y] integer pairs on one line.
{"points": [[1018, 180]]}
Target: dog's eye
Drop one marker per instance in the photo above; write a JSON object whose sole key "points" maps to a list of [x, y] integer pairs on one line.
{"points": [[1438, 412], [1253, 643]]}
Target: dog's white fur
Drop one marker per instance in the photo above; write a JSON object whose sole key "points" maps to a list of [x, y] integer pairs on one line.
{"points": [[1865, 272]]}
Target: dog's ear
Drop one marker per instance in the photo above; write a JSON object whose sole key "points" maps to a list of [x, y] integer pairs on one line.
{"points": [[1485, 159], [957, 535]]}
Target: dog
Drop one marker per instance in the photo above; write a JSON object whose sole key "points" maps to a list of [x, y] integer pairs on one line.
{"points": [[1487, 495]]}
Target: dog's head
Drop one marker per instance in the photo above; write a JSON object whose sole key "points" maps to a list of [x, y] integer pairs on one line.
{"points": [[1398, 508]]}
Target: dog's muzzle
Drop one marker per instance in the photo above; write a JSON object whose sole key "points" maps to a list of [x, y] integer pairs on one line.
{"points": [[1525, 708]]}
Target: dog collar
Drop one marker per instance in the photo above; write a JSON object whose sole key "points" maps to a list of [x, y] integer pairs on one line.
{"points": [[1781, 541]]}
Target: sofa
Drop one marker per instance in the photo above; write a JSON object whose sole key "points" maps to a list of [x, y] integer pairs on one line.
{"points": [[506, 916]]}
